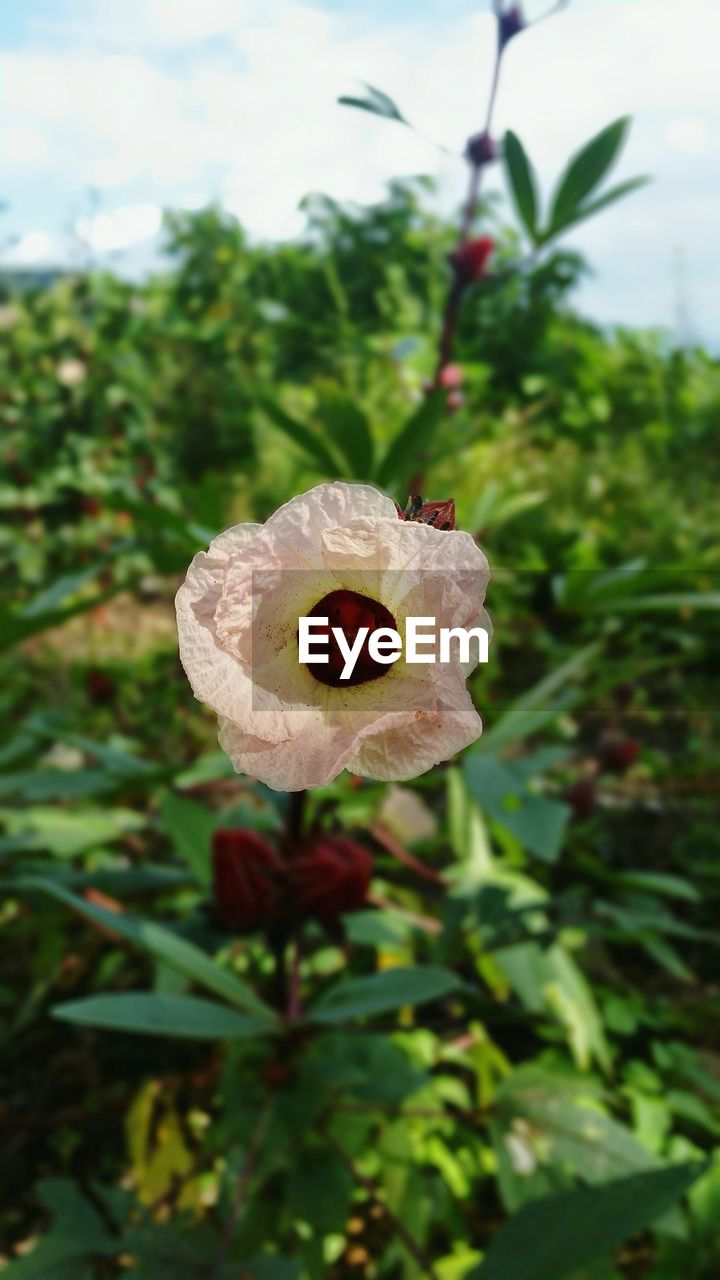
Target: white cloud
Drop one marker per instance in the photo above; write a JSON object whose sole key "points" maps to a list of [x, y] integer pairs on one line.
{"points": [[145, 102], [119, 228], [23, 145], [689, 134], [33, 249]]}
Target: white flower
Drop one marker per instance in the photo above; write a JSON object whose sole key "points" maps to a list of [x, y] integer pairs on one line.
{"points": [[291, 725], [71, 372]]}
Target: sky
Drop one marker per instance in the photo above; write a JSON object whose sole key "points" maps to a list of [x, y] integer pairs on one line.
{"points": [[110, 112]]}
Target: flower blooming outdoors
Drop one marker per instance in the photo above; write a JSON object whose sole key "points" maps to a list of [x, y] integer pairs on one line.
{"points": [[339, 551]]}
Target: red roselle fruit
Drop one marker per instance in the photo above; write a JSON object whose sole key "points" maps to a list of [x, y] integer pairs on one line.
{"points": [[582, 798], [450, 376], [619, 754], [247, 878], [470, 259], [439, 514], [329, 875]]}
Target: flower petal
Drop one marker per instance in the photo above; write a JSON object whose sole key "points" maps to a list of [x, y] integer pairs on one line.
{"points": [[400, 753]]}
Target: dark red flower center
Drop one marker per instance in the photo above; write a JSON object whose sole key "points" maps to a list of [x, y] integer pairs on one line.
{"points": [[348, 610]]}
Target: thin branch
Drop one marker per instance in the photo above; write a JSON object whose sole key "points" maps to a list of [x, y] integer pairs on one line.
{"points": [[414, 1249], [397, 850], [294, 1003], [294, 818], [469, 1115], [243, 1183]]}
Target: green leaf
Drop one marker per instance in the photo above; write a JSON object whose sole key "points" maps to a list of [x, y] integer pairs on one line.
{"points": [[660, 882], [301, 435], [550, 1237], [181, 955], [64, 833], [349, 430], [522, 183], [376, 102], [536, 708], [404, 453], [585, 172], [615, 193], [76, 1234], [383, 992], [48, 610], [146, 1013], [671, 601], [501, 789], [37, 785], [190, 827], [566, 1126]]}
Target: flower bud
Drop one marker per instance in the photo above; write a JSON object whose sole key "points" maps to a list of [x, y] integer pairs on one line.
{"points": [[99, 686], [455, 401], [470, 259], [619, 754], [480, 149], [246, 878], [330, 875], [451, 376], [441, 515], [71, 372], [582, 798], [512, 22]]}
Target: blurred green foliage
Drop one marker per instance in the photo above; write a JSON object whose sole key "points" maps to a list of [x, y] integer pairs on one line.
{"points": [[476, 1053]]}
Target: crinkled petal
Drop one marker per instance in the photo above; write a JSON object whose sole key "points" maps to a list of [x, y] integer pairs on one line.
{"points": [[238, 615], [214, 675], [313, 758], [400, 753]]}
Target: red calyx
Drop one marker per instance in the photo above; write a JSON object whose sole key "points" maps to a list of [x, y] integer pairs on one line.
{"points": [[441, 515], [246, 878], [582, 797], [100, 688], [328, 876], [619, 754], [470, 259]]}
